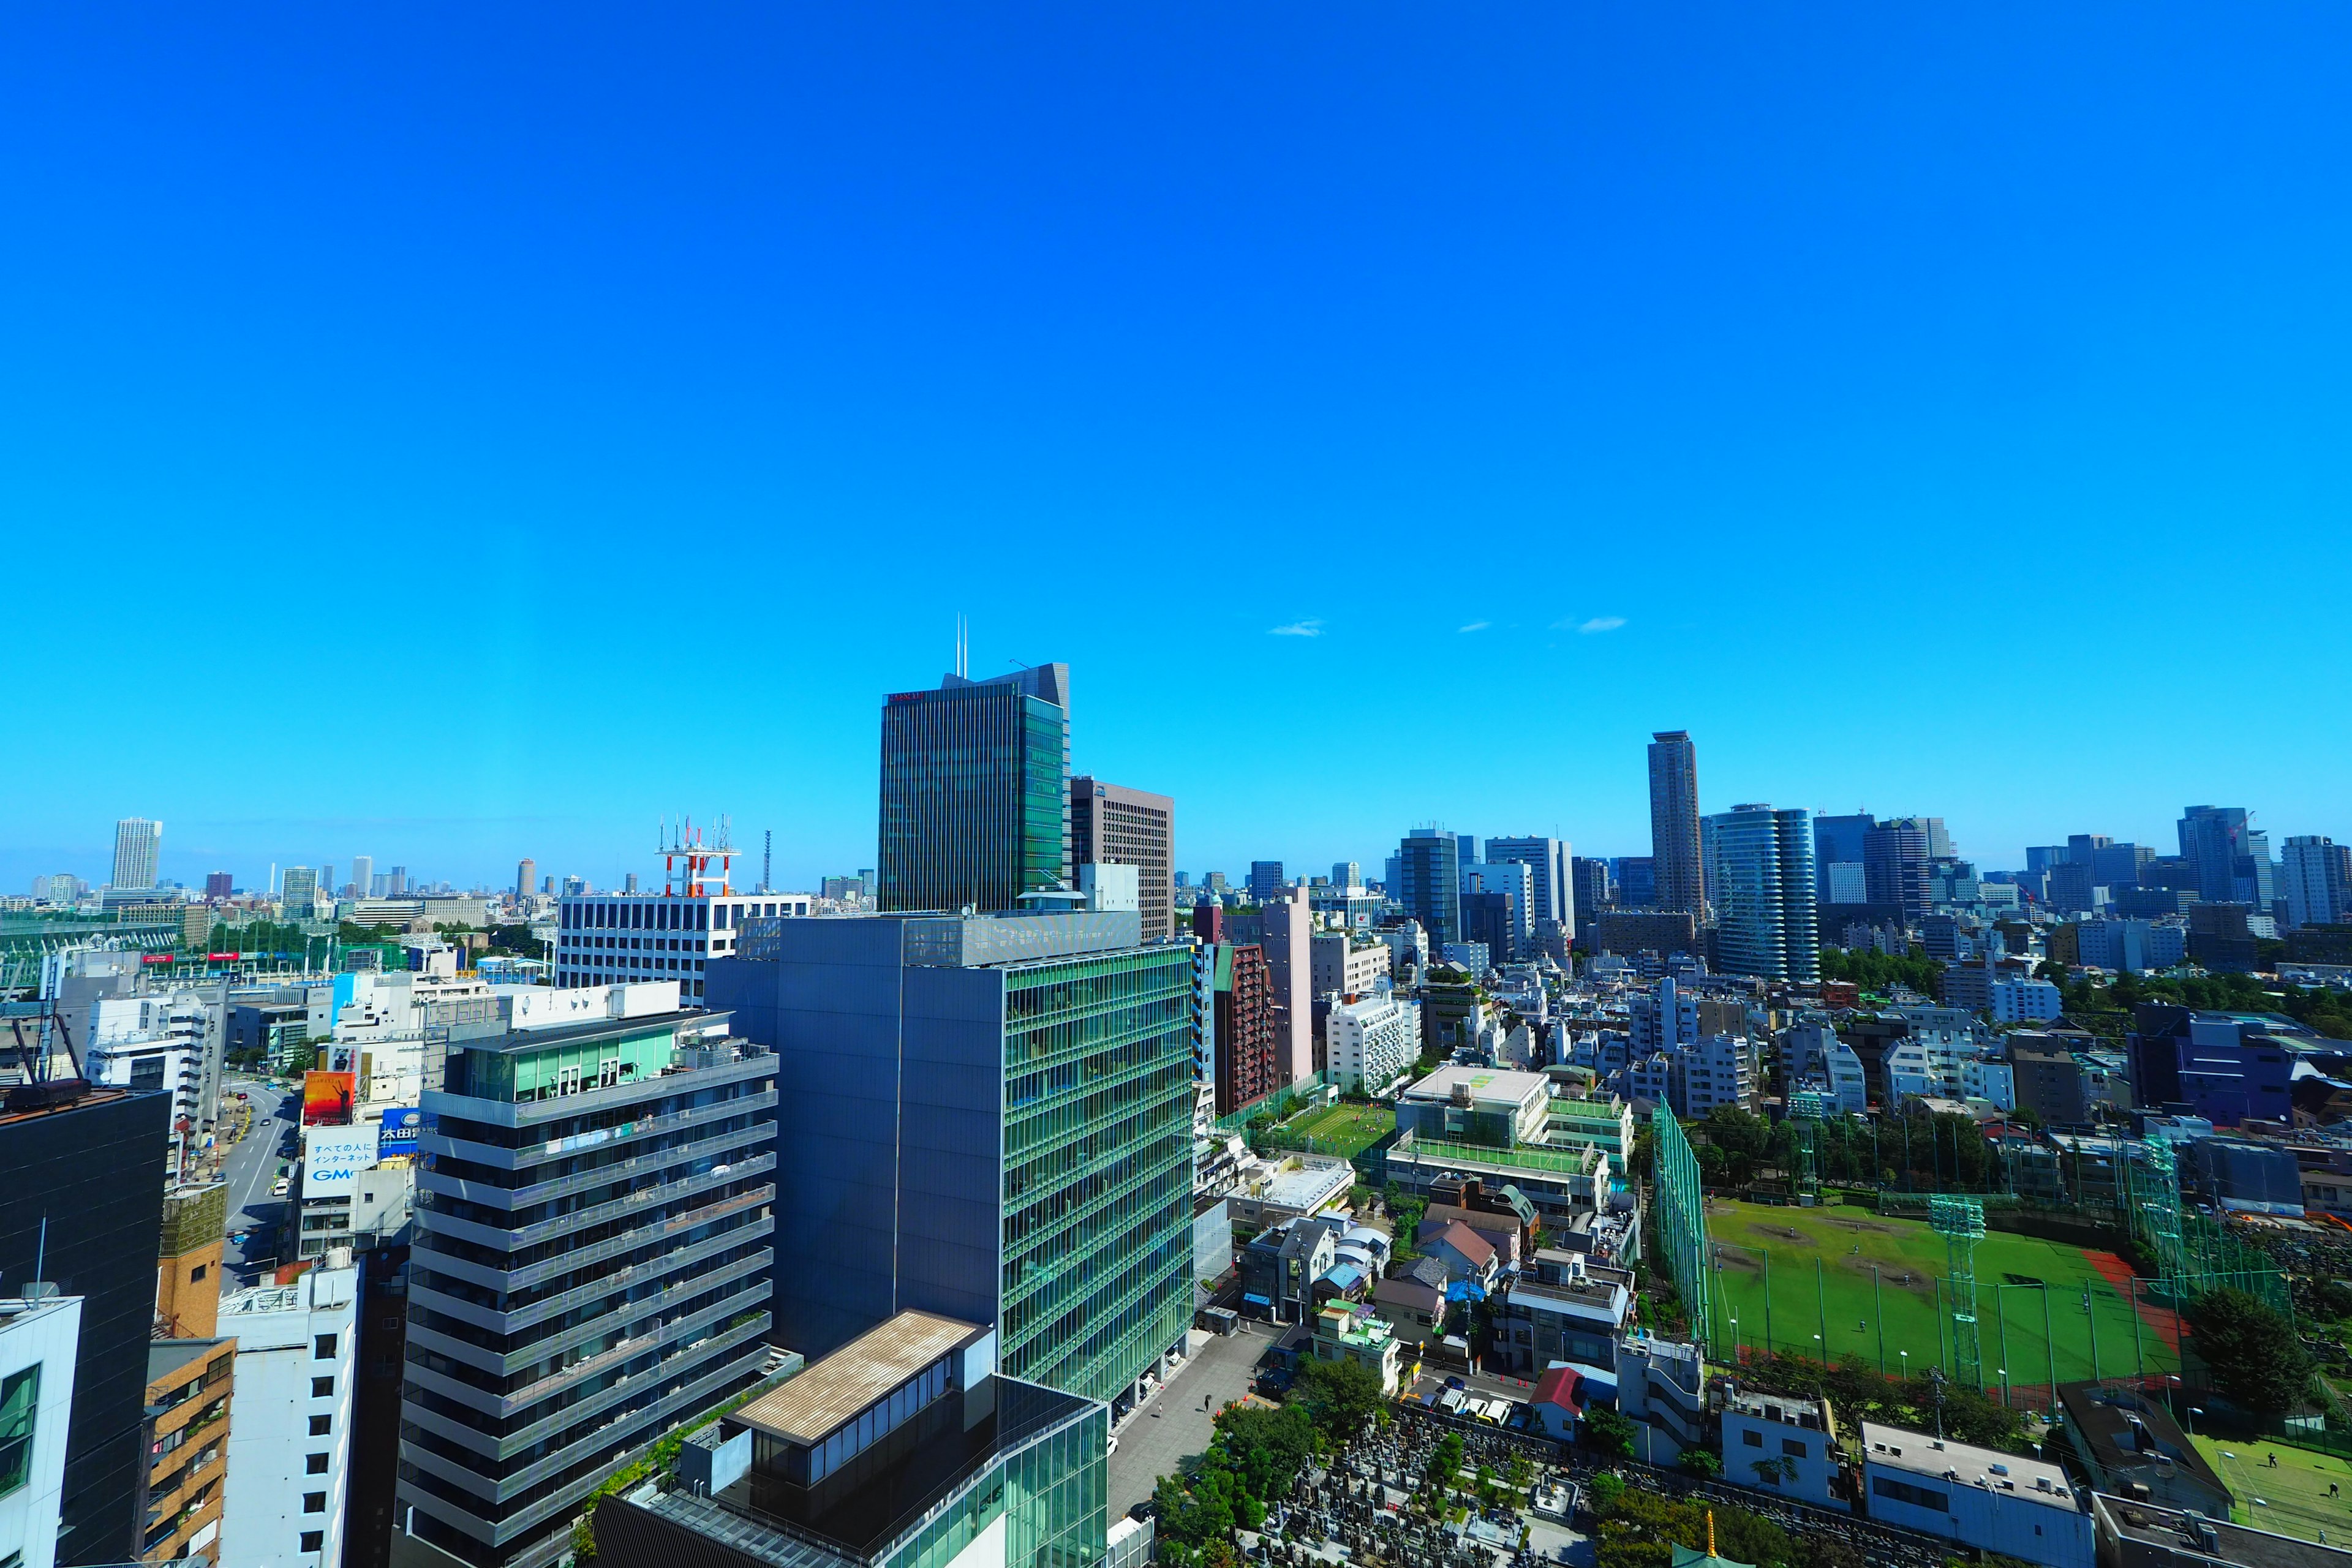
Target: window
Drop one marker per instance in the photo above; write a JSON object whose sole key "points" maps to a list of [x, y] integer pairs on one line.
{"points": [[321, 1426], [323, 1388], [314, 1541], [315, 1465], [314, 1502], [1792, 1448], [198, 1272], [323, 1348], [1753, 1438], [20, 1399]]}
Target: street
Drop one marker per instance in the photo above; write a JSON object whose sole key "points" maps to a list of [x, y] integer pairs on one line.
{"points": [[251, 1165]]}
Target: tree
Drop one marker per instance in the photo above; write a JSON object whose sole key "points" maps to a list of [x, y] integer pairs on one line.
{"points": [[2250, 1351], [1609, 1433], [1701, 1462], [1339, 1397], [1606, 1489]]}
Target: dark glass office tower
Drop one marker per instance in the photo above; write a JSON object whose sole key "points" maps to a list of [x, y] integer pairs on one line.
{"points": [[1674, 823], [92, 1166], [975, 792], [1429, 877]]}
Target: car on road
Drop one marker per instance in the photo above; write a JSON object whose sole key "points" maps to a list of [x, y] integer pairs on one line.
{"points": [[1455, 1383], [280, 1187]]}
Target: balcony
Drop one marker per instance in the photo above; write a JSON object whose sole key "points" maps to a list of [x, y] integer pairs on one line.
{"points": [[539, 1152], [538, 1112], [512, 1362], [492, 1276], [641, 1204], [491, 1320], [745, 1144]]}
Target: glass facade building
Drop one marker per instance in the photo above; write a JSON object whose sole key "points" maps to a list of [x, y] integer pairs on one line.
{"points": [[988, 1118], [591, 1266], [1429, 882], [975, 805], [1761, 872]]}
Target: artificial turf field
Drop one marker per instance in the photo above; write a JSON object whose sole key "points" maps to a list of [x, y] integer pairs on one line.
{"points": [[1839, 1246], [1345, 1130], [2291, 1500]]}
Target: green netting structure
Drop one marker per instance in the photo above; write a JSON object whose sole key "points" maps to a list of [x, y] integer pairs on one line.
{"points": [[1682, 1226], [1805, 1129], [1960, 1222]]}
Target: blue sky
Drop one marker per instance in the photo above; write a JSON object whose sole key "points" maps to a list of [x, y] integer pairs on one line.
{"points": [[447, 436]]}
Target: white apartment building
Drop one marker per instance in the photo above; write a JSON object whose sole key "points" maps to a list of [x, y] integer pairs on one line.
{"points": [[1781, 1444], [2025, 1002], [1340, 965], [1714, 1069], [1369, 1046], [39, 1339], [290, 1441], [605, 939]]}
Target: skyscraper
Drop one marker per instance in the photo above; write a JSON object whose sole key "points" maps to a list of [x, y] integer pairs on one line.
{"points": [[1592, 883], [2315, 877], [1674, 823], [1766, 923], [526, 876], [138, 844], [219, 885], [1895, 865], [1112, 824], [1841, 846], [975, 792], [1555, 890], [1429, 882], [1347, 874], [300, 892], [2232, 856], [364, 875], [986, 1117], [1266, 880]]}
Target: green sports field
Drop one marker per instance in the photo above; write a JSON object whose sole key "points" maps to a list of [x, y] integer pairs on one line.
{"points": [[2290, 1497], [1854, 1281], [1344, 1130]]}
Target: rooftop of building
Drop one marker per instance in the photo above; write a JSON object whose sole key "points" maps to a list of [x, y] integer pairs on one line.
{"points": [[1920, 1454], [552, 1036], [1780, 1409], [836, 1390], [167, 1358], [1489, 1084], [1308, 1185], [2215, 1541], [30, 1102], [2127, 1432]]}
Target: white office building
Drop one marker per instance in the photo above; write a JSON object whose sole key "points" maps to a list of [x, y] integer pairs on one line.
{"points": [[1979, 1496], [138, 846], [608, 939], [2025, 1002], [1342, 965], [290, 1442], [1370, 1045], [39, 1339], [1714, 1069]]}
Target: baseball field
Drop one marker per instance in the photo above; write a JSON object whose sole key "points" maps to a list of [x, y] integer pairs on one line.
{"points": [[1844, 1280]]}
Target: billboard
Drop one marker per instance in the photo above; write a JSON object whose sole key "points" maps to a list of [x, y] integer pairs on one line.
{"points": [[327, 1099], [332, 1156], [398, 1133]]}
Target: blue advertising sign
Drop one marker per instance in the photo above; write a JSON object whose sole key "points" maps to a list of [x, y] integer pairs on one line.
{"points": [[402, 1124]]}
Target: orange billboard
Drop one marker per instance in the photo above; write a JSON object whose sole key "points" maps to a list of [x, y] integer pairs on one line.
{"points": [[327, 1099]]}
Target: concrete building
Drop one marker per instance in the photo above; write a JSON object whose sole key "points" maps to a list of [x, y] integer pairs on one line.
{"points": [[40, 1335], [621, 939], [1561, 1308], [1551, 861], [1760, 882], [2131, 1446], [1484, 1106], [1113, 825], [289, 1450], [1675, 849], [2024, 1001], [1982, 1497], [1281, 1264], [986, 1117], [2316, 879], [1627, 932], [1714, 1069], [1346, 964], [1349, 1332], [138, 847], [2130, 946], [1289, 928], [1661, 1389], [1428, 883], [590, 1263], [1372, 1044], [975, 806], [907, 1448], [1783, 1445], [188, 1430]]}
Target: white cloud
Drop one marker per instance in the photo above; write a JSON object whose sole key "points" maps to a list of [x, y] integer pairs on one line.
{"points": [[1475, 627], [1307, 629], [1602, 624]]}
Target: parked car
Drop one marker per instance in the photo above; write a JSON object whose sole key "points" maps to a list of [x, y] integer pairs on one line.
{"points": [[280, 1187]]}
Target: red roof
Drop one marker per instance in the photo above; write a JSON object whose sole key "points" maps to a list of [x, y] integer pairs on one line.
{"points": [[1469, 1244], [1559, 1386]]}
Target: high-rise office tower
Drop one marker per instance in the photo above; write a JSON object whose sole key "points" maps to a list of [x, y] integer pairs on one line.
{"points": [[986, 1117], [90, 1165], [1674, 823], [1347, 874], [526, 876], [1266, 880], [2316, 879], [592, 1260], [1514, 880], [1555, 885], [1112, 824], [1591, 879], [364, 875], [1429, 882], [1841, 850], [138, 844], [2232, 856], [396, 882], [975, 792], [1762, 877], [300, 891], [1895, 865], [218, 885]]}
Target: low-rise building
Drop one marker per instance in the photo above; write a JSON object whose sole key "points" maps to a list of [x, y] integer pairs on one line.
{"points": [[1347, 1333], [1280, 1266], [1574, 1314], [2133, 1534], [184, 1485], [2132, 1446], [1782, 1443], [1661, 1389], [1475, 1105], [1982, 1497]]}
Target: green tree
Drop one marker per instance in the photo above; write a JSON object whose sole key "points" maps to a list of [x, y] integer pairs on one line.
{"points": [[1605, 1490], [2252, 1352], [1701, 1462], [1609, 1433], [1339, 1397]]}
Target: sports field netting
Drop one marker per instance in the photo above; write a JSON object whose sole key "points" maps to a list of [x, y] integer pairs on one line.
{"points": [[1846, 1280]]}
